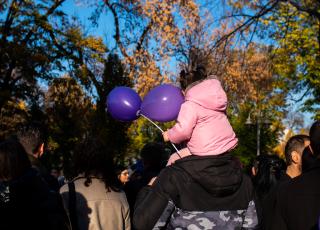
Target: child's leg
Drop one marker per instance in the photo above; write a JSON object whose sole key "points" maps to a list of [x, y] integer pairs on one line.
{"points": [[175, 156]]}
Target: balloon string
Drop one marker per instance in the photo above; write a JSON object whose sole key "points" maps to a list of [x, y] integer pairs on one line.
{"points": [[152, 122], [178, 152]]}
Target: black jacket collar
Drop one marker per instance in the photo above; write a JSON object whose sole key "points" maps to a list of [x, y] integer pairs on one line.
{"points": [[219, 175]]}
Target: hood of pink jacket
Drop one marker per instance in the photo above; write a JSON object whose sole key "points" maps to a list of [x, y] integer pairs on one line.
{"points": [[202, 121], [209, 94]]}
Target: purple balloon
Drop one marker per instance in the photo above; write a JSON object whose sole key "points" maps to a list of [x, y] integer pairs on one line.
{"points": [[123, 103], [162, 103]]}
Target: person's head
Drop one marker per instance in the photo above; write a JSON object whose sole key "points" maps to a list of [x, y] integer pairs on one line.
{"points": [[311, 153], [308, 159], [122, 174], [32, 139], [154, 156], [294, 148], [14, 161], [189, 77], [92, 159], [55, 173], [315, 138], [267, 171]]}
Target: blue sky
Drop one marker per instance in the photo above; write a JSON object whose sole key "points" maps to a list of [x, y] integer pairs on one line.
{"points": [[104, 29]]}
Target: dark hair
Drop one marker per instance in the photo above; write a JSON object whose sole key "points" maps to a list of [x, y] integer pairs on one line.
{"points": [[315, 138], [31, 136], [154, 156], [187, 78], [295, 143], [308, 159], [119, 169], [14, 160], [269, 169], [92, 159]]}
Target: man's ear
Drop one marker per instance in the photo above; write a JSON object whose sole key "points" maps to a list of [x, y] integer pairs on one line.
{"points": [[295, 157], [39, 151], [253, 171]]}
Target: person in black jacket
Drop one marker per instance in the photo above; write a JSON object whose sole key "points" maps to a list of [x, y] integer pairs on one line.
{"points": [[298, 203], [32, 138], [154, 158], [268, 172], [25, 199], [270, 175], [208, 192]]}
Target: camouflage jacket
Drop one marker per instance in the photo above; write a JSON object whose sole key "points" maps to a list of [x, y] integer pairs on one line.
{"points": [[202, 193], [176, 218]]}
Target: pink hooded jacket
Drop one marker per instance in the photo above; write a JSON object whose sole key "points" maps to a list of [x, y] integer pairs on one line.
{"points": [[202, 120]]}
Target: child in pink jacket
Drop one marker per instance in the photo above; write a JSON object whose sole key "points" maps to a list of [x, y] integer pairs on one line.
{"points": [[202, 121]]}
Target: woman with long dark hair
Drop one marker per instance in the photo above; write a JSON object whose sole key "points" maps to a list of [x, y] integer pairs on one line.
{"points": [[267, 172], [92, 199]]}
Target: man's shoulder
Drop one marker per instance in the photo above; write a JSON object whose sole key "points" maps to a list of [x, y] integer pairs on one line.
{"points": [[171, 171], [282, 183], [306, 183], [307, 180], [173, 175], [284, 178]]}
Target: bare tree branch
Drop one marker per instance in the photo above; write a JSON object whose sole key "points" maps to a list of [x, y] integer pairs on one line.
{"points": [[144, 34], [9, 19], [43, 17], [117, 27], [302, 96], [264, 10]]}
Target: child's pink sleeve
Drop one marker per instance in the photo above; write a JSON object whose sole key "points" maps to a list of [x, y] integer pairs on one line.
{"points": [[186, 121]]}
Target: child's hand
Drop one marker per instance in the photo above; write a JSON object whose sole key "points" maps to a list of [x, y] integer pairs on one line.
{"points": [[165, 136], [152, 181]]}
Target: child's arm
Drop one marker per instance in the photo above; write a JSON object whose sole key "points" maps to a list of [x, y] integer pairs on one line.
{"points": [[186, 121], [165, 136]]}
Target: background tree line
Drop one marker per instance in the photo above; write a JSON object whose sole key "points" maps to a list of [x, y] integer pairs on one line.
{"points": [[266, 53]]}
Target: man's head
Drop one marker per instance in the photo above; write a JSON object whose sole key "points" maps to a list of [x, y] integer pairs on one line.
{"points": [[294, 149], [14, 160], [154, 156], [32, 138], [312, 153], [315, 138]]}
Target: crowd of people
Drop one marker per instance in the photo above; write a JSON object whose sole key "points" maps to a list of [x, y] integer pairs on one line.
{"points": [[202, 186]]}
